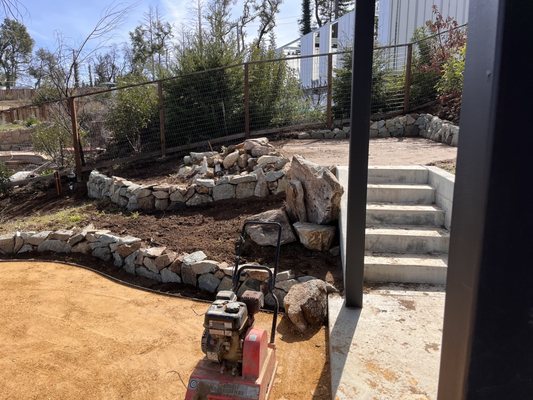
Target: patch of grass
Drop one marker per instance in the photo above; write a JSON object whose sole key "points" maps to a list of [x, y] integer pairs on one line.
{"points": [[11, 127], [66, 218]]}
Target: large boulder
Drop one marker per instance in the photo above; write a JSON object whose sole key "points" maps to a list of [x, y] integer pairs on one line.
{"points": [[306, 304], [315, 237], [268, 235], [322, 190]]}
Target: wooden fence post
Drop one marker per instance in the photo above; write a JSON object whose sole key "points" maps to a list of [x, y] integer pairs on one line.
{"points": [[162, 133], [75, 137], [329, 110], [408, 78], [247, 99]]}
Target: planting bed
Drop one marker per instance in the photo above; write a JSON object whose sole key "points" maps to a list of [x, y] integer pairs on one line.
{"points": [[69, 333]]}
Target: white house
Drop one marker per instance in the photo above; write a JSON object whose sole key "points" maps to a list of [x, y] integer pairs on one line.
{"points": [[396, 23]]}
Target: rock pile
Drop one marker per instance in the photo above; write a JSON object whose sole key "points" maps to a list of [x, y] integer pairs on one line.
{"points": [[251, 169]]}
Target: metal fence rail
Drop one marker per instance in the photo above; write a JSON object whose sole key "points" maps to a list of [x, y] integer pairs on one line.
{"points": [[143, 120]]}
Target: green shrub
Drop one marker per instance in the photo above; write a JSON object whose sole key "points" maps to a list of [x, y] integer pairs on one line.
{"points": [[451, 81], [132, 112], [4, 179], [30, 121], [53, 139]]}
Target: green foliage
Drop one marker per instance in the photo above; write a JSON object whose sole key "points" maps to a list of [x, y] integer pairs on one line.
{"points": [[30, 121], [205, 100], [132, 112], [16, 46], [4, 179], [52, 139], [451, 81], [276, 98], [305, 22], [384, 83]]}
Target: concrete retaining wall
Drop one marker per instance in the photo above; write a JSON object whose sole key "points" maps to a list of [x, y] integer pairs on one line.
{"points": [[443, 182]]}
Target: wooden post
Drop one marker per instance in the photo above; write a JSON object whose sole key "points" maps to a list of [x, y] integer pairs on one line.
{"points": [[329, 111], [408, 78], [247, 99], [162, 134], [75, 137]]}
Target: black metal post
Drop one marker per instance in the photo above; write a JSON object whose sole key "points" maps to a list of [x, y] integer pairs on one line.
{"points": [[487, 347], [358, 164]]}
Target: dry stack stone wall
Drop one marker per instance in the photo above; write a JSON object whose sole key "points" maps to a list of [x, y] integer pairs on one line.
{"points": [[251, 169], [160, 264]]}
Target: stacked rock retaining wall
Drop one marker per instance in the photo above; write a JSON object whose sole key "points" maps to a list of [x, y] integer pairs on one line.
{"points": [[134, 257]]}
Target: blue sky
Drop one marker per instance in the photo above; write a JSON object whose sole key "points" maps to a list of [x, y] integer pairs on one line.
{"points": [[75, 18]]}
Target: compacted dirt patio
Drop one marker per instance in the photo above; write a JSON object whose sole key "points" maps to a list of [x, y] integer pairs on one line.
{"points": [[68, 333]]}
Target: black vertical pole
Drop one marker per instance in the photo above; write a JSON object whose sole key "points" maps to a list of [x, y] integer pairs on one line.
{"points": [[358, 165], [487, 347]]}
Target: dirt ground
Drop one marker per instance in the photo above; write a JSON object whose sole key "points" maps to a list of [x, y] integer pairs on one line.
{"points": [[389, 151], [213, 229], [71, 334]]}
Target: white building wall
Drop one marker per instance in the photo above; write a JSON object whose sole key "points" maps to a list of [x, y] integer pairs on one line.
{"points": [[306, 64], [398, 19], [325, 47]]}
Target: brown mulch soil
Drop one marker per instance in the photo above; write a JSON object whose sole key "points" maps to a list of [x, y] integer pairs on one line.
{"points": [[213, 229]]}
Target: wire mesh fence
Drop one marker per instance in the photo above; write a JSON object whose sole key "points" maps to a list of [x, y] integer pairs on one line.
{"points": [[152, 119]]}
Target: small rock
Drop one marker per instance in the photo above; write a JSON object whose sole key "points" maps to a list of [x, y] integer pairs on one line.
{"points": [[55, 246], [204, 267], [149, 263], [223, 192], [82, 247], [103, 253], [265, 235], [245, 190], [335, 251], [263, 160], [195, 257], [225, 284], [27, 248], [261, 187], [61, 235], [142, 271], [129, 262], [7, 244], [306, 304], [161, 204], [208, 282], [295, 200], [38, 238], [167, 276], [154, 251], [272, 176], [199, 199], [284, 276], [237, 179], [230, 159], [165, 260], [315, 237]]}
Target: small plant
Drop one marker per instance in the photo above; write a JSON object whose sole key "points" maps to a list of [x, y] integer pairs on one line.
{"points": [[31, 121], [4, 179]]}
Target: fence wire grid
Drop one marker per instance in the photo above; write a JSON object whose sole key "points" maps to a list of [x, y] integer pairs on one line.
{"points": [[150, 119]]}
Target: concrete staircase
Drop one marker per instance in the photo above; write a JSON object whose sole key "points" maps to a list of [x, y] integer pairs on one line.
{"points": [[405, 236], [406, 240]]}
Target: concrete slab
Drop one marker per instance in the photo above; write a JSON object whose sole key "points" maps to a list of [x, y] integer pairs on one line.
{"points": [[391, 348]]}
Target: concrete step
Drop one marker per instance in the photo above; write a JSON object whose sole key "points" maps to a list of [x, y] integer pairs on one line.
{"points": [[406, 268], [406, 239], [403, 194], [410, 174], [402, 214]]}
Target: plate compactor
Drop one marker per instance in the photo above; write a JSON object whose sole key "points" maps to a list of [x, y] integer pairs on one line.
{"points": [[240, 361]]}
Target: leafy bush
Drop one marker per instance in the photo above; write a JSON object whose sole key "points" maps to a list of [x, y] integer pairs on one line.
{"points": [[276, 98], [451, 81], [53, 139], [385, 82], [4, 179], [132, 113], [30, 121]]}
